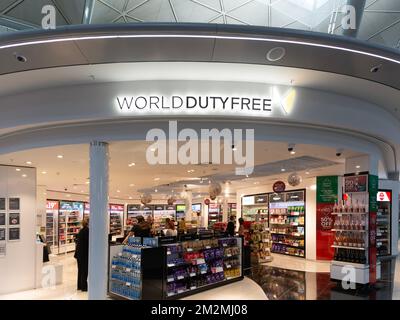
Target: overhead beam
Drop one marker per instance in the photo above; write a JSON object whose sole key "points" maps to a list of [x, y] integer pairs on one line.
{"points": [[88, 11], [359, 5], [15, 24]]}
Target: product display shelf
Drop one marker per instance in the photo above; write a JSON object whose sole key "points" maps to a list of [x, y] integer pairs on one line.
{"points": [[214, 214], [351, 238], [50, 229], [260, 243], [383, 222], [287, 225], [194, 266]]}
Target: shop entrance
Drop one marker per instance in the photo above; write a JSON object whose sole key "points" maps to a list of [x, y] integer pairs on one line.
{"points": [[205, 195]]}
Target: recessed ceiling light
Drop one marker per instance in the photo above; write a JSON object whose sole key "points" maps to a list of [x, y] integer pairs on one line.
{"points": [[87, 182], [132, 185], [118, 191], [283, 170], [293, 152], [358, 167], [132, 164], [44, 172], [130, 198], [68, 196], [307, 172], [156, 179], [155, 190], [18, 169], [29, 162], [60, 156]]}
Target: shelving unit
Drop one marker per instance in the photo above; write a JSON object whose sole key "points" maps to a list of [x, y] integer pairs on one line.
{"points": [[51, 224], [383, 223], [260, 243], [69, 223], [255, 207], [116, 219], [160, 214], [287, 222], [214, 214]]}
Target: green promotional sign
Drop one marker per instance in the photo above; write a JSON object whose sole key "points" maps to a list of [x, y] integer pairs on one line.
{"points": [[327, 189], [373, 185]]}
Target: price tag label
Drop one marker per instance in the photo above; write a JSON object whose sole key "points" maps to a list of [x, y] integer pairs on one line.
{"points": [[203, 272], [192, 274], [181, 277], [181, 290], [170, 279], [200, 261], [218, 269], [193, 287], [189, 249], [170, 264], [208, 247], [224, 245], [168, 252], [170, 294], [229, 255], [228, 266]]}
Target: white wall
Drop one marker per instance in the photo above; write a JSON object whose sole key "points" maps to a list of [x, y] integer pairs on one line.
{"points": [[17, 268]]}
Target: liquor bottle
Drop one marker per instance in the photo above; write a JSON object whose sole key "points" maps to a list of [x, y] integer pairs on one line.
{"points": [[335, 207], [356, 207], [351, 209]]}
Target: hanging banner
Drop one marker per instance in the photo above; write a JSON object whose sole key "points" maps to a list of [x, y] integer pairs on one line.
{"points": [[373, 208], [327, 195]]}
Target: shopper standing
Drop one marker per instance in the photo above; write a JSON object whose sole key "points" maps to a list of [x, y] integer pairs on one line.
{"points": [[140, 229], [171, 231], [82, 255], [230, 228], [241, 227]]}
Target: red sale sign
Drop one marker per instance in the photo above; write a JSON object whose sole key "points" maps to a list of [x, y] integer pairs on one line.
{"points": [[325, 236]]}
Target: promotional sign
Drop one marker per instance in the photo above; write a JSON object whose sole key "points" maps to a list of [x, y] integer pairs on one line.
{"points": [[327, 195], [13, 234], [13, 204], [13, 219], [384, 196], [373, 182], [356, 184], [52, 205], [279, 186]]}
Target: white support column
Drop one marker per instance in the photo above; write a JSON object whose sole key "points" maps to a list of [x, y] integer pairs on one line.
{"points": [[188, 205], [98, 235]]}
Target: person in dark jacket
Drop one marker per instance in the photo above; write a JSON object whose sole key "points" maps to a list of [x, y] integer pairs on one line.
{"points": [[82, 255], [230, 228], [139, 229]]}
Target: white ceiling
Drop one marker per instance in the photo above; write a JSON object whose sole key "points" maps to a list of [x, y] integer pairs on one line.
{"points": [[380, 23], [72, 171]]}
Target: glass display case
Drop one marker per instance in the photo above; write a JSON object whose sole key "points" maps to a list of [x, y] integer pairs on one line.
{"points": [[383, 223]]}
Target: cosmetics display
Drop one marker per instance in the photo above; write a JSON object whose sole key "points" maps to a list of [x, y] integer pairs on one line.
{"points": [[287, 222], [214, 214], [116, 219], [196, 264], [51, 224], [255, 207], [383, 223], [260, 242], [70, 216]]}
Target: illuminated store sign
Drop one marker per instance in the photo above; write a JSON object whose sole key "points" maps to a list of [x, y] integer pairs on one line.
{"points": [[207, 104]]}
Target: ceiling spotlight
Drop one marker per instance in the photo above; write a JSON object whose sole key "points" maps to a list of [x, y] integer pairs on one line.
{"points": [[132, 185], [118, 191], [44, 172], [156, 179], [307, 172], [291, 147], [60, 156], [24, 176], [18, 169], [339, 152], [358, 167], [155, 190], [130, 198], [283, 170], [68, 196], [29, 162], [20, 58], [234, 148], [87, 182], [132, 164]]}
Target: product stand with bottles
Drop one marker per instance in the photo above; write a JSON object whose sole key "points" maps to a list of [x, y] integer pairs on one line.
{"points": [[70, 217], [383, 223], [214, 214], [174, 269], [52, 207], [353, 232]]}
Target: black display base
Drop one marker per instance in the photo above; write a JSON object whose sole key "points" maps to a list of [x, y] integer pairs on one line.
{"points": [[205, 288]]}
